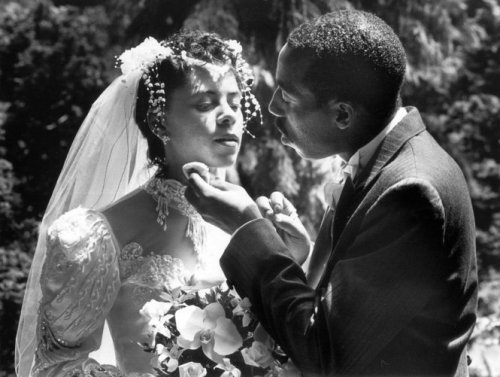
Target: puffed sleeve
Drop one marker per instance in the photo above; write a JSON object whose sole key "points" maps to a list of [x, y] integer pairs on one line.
{"points": [[79, 282]]}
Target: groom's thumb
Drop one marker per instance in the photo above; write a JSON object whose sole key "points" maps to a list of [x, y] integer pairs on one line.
{"points": [[219, 184]]}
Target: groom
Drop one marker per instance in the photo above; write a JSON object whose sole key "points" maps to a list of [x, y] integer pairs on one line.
{"points": [[392, 285]]}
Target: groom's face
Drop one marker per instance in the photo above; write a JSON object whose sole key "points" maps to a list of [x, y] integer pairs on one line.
{"points": [[305, 125]]}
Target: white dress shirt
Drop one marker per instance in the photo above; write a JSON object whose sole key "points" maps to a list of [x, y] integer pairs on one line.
{"points": [[359, 160]]}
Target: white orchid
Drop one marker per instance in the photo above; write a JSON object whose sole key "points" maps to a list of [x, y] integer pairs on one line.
{"points": [[156, 313], [208, 328]]}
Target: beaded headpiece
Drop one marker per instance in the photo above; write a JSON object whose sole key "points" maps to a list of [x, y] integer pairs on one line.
{"points": [[149, 54]]}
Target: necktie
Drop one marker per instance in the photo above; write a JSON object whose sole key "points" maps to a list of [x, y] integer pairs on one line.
{"points": [[343, 208], [339, 194], [341, 216]]}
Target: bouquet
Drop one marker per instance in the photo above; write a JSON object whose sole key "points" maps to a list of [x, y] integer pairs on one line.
{"points": [[211, 332]]}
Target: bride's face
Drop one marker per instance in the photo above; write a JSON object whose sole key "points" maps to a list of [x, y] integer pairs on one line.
{"points": [[204, 119]]}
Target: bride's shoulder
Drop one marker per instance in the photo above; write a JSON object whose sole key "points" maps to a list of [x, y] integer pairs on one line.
{"points": [[77, 232]]}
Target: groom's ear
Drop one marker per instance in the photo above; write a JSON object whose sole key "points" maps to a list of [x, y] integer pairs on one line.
{"points": [[342, 113]]}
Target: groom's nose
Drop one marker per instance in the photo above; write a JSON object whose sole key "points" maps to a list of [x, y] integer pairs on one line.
{"points": [[276, 106]]}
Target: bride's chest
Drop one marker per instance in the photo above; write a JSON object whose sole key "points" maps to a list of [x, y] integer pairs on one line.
{"points": [[145, 274], [151, 270]]}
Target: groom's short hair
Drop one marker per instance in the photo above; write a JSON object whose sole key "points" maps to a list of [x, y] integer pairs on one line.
{"points": [[356, 57]]}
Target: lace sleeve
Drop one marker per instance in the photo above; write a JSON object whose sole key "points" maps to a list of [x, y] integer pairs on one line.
{"points": [[80, 280]]}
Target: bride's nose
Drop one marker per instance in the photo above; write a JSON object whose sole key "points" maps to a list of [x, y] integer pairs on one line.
{"points": [[227, 115]]}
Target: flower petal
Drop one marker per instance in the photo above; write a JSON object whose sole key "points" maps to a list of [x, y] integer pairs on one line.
{"points": [[192, 369], [189, 321], [246, 320], [248, 358], [212, 312], [189, 344], [227, 338], [154, 309], [208, 350], [262, 336]]}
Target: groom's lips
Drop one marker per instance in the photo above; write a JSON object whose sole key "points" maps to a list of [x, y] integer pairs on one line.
{"points": [[280, 124]]}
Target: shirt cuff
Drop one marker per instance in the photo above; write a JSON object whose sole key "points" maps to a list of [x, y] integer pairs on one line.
{"points": [[244, 225]]}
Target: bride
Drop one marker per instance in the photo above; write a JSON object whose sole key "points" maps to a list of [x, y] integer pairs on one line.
{"points": [[118, 230]]}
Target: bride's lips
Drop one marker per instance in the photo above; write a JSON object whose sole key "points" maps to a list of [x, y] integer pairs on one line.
{"points": [[228, 140]]}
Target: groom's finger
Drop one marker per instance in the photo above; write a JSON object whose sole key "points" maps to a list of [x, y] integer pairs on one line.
{"points": [[199, 186], [264, 206], [277, 199], [219, 184], [289, 208]]}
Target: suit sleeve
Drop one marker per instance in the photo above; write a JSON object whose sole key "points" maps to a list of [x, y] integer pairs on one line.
{"points": [[386, 276]]}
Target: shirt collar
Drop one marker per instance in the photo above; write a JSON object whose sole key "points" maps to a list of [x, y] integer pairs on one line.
{"points": [[359, 159]]}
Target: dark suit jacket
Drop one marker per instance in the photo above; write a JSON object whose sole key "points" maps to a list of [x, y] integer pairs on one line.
{"points": [[399, 287]]}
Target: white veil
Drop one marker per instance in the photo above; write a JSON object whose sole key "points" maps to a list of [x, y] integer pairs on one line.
{"points": [[107, 160]]}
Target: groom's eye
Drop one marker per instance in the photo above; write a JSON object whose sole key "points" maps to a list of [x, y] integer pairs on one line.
{"points": [[285, 96]]}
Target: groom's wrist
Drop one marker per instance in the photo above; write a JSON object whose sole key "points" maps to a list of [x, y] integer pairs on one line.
{"points": [[245, 224], [247, 214]]}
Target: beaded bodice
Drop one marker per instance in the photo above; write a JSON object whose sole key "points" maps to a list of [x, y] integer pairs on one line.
{"points": [[153, 271]]}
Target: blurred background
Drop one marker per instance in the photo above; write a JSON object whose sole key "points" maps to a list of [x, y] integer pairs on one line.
{"points": [[57, 56]]}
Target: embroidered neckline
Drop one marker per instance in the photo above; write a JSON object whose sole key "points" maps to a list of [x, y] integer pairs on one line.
{"points": [[169, 193]]}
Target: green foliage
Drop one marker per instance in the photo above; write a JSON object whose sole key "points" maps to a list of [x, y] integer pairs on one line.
{"points": [[9, 199], [485, 340], [472, 131], [14, 268], [51, 69]]}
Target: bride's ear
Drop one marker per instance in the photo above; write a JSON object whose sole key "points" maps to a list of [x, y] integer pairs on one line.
{"points": [[157, 125]]}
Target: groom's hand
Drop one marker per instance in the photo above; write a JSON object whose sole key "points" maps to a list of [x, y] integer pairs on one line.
{"points": [[284, 216], [221, 203]]}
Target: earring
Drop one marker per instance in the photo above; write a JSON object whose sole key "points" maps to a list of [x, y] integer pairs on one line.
{"points": [[245, 130], [159, 133]]}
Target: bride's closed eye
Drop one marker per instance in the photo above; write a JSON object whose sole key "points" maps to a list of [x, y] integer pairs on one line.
{"points": [[204, 106], [207, 105], [235, 105]]}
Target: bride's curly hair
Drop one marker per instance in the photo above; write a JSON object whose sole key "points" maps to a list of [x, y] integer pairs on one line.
{"points": [[173, 73]]}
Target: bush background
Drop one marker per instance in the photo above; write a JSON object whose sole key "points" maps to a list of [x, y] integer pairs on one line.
{"points": [[57, 56]]}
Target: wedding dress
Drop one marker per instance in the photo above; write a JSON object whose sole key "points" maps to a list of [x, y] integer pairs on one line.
{"points": [[80, 275], [88, 278]]}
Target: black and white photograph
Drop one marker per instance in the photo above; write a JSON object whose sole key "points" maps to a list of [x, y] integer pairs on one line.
{"points": [[249, 188]]}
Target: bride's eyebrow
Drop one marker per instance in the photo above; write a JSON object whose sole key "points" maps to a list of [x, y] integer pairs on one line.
{"points": [[212, 93], [202, 93]]}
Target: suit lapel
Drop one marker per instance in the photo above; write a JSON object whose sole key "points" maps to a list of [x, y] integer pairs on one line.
{"points": [[350, 202]]}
